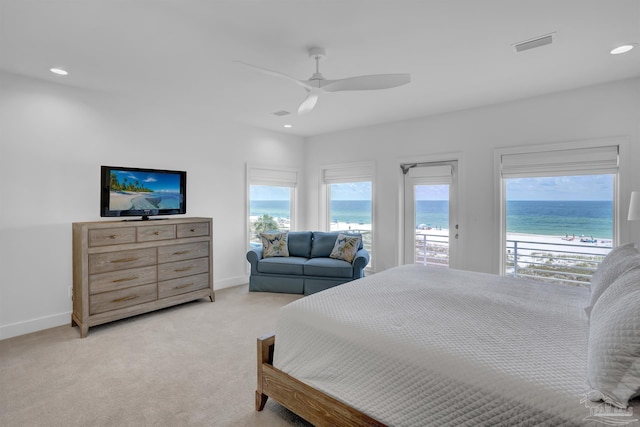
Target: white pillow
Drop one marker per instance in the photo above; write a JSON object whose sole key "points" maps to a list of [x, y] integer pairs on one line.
{"points": [[613, 354], [619, 260]]}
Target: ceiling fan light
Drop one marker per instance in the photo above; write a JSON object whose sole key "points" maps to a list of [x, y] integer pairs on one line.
{"points": [[309, 102], [59, 71], [622, 49]]}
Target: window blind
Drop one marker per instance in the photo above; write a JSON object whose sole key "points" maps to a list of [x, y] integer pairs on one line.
{"points": [[435, 174], [275, 177], [581, 161], [348, 173]]}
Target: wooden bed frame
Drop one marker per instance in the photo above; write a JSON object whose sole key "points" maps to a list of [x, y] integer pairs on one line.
{"points": [[313, 405]]}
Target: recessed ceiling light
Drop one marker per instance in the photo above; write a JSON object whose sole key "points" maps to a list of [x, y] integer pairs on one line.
{"points": [[59, 71], [288, 126], [622, 49]]}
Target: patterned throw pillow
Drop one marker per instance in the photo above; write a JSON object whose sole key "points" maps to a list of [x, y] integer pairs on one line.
{"points": [[345, 247], [274, 244]]}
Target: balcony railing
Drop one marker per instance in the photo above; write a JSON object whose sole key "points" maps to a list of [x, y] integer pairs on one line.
{"points": [[558, 262], [432, 249], [555, 262]]}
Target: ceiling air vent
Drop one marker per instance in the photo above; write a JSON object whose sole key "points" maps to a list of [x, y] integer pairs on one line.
{"points": [[281, 113], [534, 43]]}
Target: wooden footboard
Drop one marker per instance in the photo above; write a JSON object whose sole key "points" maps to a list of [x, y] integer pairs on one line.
{"points": [[313, 405]]}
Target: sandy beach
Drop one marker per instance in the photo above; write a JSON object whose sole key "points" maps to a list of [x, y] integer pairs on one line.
{"points": [[121, 201]]}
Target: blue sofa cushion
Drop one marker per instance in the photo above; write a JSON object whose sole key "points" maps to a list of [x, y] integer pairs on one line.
{"points": [[323, 242], [328, 267], [282, 265], [300, 243]]}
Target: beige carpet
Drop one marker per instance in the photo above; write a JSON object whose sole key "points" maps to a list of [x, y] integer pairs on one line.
{"points": [[190, 365]]}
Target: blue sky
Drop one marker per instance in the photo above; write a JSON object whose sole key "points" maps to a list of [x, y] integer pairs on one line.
{"points": [[158, 182], [582, 187], [264, 192]]}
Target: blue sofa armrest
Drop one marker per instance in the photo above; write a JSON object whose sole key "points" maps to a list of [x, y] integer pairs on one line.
{"points": [[253, 256], [359, 263]]}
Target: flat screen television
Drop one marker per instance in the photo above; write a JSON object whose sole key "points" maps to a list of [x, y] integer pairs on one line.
{"points": [[142, 192]]}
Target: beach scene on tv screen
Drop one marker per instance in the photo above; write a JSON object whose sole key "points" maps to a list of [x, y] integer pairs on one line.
{"points": [[135, 190]]}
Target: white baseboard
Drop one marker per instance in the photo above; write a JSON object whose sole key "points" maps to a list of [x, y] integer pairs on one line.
{"points": [[228, 283], [34, 325]]}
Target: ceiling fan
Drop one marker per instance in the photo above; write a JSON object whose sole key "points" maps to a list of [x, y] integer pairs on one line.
{"points": [[317, 84]]}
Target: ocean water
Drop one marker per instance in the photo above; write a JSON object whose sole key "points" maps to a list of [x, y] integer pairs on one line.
{"points": [[555, 218], [160, 200]]}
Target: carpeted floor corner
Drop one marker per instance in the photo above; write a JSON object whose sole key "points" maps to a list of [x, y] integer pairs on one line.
{"points": [[189, 365]]}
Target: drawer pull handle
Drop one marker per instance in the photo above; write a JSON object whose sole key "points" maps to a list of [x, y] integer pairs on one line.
{"points": [[182, 252], [113, 236], [156, 233], [125, 279], [178, 270], [125, 259], [130, 297], [183, 286], [193, 230]]}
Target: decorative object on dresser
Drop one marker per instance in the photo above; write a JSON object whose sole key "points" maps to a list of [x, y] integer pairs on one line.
{"points": [[125, 268]]}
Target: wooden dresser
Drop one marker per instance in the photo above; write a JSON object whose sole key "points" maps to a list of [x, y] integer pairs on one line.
{"points": [[125, 268]]}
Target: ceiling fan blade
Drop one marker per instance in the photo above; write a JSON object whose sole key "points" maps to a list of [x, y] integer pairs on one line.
{"points": [[373, 82], [309, 102], [276, 74]]}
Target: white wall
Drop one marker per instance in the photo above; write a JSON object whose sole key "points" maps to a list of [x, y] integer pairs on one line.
{"points": [[53, 139], [594, 112]]}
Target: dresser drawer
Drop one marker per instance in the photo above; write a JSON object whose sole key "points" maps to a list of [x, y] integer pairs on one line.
{"points": [[111, 236], [182, 252], [111, 281], [121, 260], [182, 285], [193, 229], [156, 232], [113, 300], [172, 270]]}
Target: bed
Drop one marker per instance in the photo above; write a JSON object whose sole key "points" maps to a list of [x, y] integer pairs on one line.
{"points": [[417, 346]]}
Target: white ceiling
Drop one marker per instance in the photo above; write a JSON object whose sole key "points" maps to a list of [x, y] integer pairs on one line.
{"points": [[459, 52]]}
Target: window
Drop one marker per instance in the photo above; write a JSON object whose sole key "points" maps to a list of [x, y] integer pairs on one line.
{"points": [[271, 201], [430, 194], [349, 200], [559, 210]]}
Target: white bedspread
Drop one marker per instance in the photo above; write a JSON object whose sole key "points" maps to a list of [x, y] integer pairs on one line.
{"points": [[416, 346]]}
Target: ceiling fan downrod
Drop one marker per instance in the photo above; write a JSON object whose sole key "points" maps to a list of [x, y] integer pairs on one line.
{"points": [[317, 53]]}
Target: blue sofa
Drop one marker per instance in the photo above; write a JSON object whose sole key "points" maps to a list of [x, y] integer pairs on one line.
{"points": [[308, 268]]}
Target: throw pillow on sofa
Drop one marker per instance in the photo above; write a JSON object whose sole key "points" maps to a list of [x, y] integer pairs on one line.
{"points": [[345, 247], [274, 244]]}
